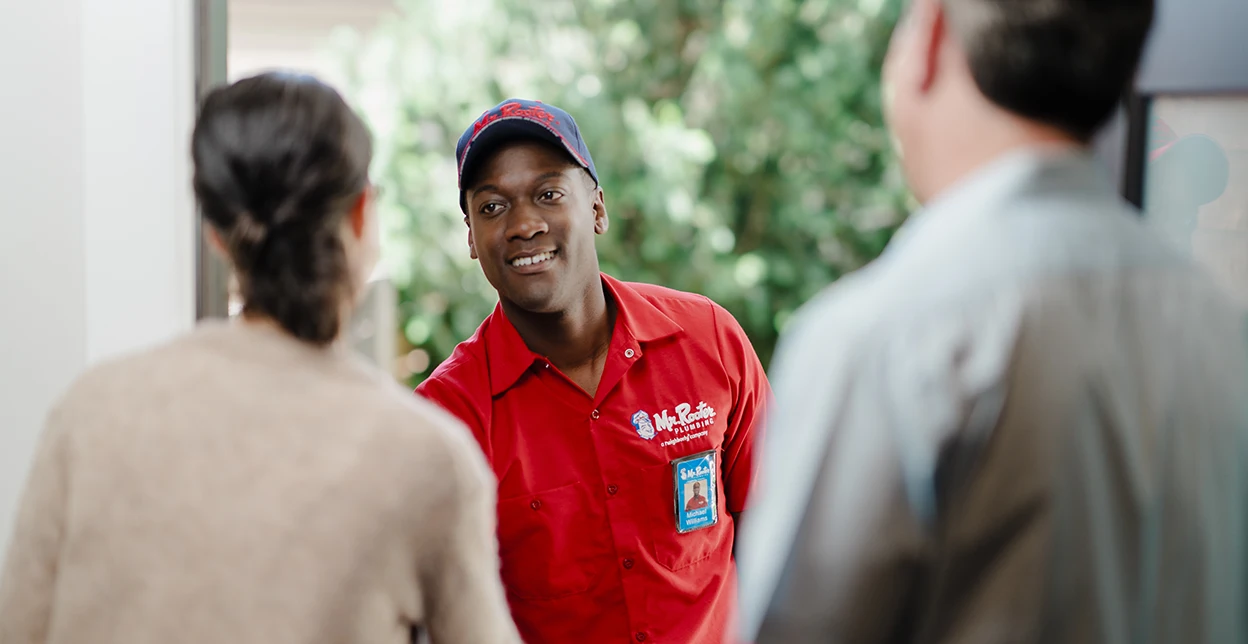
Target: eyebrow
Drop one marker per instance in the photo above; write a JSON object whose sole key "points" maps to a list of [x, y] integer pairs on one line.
{"points": [[549, 175], [541, 178]]}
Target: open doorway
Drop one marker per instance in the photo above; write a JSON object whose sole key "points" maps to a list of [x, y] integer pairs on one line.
{"points": [[239, 38], [740, 145]]}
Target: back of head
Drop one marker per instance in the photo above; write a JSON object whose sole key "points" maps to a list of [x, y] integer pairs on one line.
{"points": [[279, 161], [968, 81], [1062, 63]]}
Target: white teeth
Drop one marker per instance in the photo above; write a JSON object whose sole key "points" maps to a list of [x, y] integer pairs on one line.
{"points": [[535, 259]]}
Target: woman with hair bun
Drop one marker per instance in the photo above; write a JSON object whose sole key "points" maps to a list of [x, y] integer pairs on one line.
{"points": [[252, 481]]}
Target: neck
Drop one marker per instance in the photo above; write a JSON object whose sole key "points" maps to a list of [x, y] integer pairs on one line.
{"points": [[983, 136], [569, 338]]}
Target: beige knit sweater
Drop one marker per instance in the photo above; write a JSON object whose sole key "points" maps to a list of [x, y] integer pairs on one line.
{"points": [[238, 486]]}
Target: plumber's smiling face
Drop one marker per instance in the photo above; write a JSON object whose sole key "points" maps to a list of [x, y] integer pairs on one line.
{"points": [[532, 215]]}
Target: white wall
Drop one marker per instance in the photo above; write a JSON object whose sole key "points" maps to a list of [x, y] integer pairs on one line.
{"points": [[97, 246], [42, 264]]}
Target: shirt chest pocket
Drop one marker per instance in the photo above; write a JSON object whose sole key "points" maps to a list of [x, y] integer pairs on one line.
{"points": [[548, 545], [670, 548]]}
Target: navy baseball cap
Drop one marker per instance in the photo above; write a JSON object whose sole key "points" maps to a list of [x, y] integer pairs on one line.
{"points": [[516, 118]]}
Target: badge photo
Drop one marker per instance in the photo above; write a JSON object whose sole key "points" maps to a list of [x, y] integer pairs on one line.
{"points": [[695, 490]]}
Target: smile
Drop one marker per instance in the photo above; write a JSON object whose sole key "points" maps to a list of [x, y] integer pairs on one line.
{"points": [[533, 259]]}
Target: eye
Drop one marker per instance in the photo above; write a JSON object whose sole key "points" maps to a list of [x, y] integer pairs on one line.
{"points": [[551, 195], [491, 208]]}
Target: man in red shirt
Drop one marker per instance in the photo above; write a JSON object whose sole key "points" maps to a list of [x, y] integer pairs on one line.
{"points": [[596, 401], [697, 501]]}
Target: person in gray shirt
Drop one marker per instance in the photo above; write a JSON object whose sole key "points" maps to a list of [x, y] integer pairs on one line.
{"points": [[1025, 422]]}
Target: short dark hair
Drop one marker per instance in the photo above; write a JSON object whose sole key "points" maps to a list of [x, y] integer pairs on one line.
{"points": [[278, 159], [1065, 63]]}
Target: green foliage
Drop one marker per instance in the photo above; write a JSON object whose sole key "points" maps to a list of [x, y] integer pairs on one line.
{"points": [[739, 142]]}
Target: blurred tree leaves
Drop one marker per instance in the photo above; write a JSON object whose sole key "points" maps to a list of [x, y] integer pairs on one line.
{"points": [[739, 143]]}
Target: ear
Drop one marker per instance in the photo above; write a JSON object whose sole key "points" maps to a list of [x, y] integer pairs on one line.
{"points": [[932, 33], [601, 221], [472, 244], [215, 242], [358, 215]]}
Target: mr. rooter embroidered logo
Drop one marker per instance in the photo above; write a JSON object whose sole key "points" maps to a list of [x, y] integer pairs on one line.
{"points": [[514, 110], [681, 420], [686, 418]]}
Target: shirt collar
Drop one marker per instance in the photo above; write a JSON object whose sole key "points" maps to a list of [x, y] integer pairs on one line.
{"points": [[637, 321], [1039, 167], [638, 316]]}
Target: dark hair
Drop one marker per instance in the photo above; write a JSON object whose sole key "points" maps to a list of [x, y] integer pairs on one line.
{"points": [[1065, 63], [278, 159]]}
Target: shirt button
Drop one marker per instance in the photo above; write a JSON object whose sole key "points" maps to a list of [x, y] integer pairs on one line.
{"points": [[536, 505], [628, 564], [641, 637], [628, 353], [611, 489], [594, 414]]}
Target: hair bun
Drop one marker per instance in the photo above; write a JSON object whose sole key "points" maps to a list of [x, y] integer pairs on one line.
{"points": [[248, 232], [279, 161]]}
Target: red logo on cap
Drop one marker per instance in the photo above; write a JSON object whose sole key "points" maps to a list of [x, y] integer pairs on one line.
{"points": [[514, 110]]}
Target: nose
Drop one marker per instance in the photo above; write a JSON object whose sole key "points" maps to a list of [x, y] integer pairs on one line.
{"points": [[524, 223]]}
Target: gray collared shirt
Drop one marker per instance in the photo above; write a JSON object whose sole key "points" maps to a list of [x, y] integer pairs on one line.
{"points": [[1025, 422]]}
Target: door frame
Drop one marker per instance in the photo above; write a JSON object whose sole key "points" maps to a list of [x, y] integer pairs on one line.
{"points": [[212, 276], [1195, 49]]}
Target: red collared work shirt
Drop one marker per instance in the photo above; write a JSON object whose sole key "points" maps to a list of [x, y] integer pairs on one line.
{"points": [[587, 508]]}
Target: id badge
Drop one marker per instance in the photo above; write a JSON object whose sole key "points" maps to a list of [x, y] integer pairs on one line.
{"points": [[697, 497]]}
